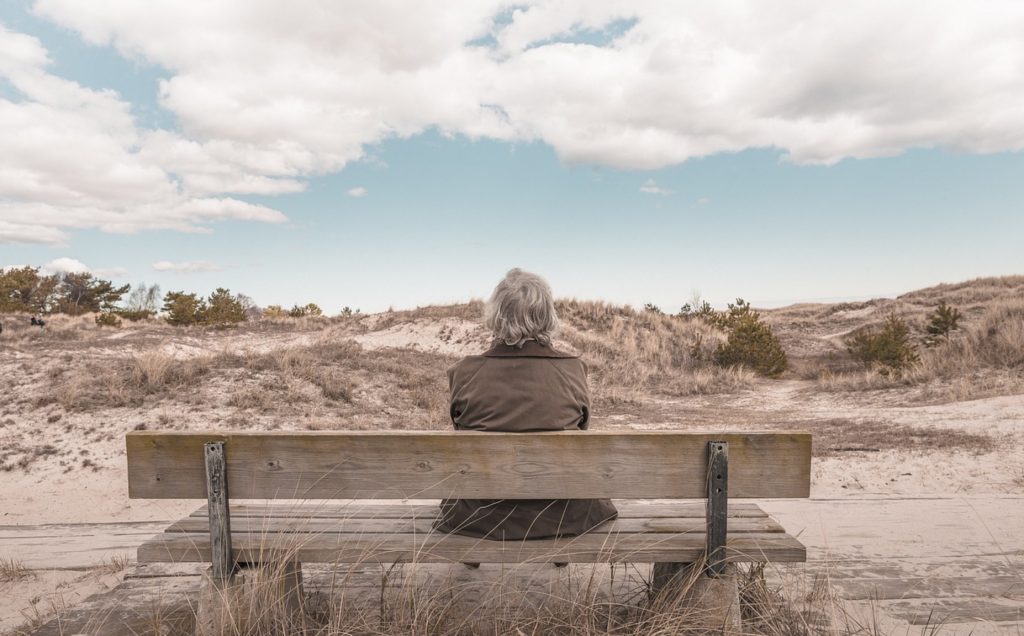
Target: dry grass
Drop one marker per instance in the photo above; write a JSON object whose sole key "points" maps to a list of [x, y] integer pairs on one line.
{"points": [[12, 569], [587, 602], [984, 358], [336, 377], [631, 352]]}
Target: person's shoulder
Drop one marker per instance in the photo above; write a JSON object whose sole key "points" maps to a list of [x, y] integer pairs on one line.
{"points": [[469, 365]]}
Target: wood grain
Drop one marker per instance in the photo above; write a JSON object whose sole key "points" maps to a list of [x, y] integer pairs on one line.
{"points": [[434, 548], [718, 505], [325, 509], [219, 521], [256, 525], [397, 465]]}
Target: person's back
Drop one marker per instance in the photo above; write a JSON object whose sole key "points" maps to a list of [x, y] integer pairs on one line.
{"points": [[522, 386]]}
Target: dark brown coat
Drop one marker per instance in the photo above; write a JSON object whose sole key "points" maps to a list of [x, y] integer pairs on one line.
{"points": [[533, 388]]}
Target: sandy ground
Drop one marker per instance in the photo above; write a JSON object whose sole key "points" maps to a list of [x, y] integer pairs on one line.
{"points": [[84, 480]]}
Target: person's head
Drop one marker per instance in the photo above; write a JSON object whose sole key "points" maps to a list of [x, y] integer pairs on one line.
{"points": [[521, 308]]}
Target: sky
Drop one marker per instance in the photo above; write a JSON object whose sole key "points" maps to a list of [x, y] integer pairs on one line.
{"points": [[386, 154]]}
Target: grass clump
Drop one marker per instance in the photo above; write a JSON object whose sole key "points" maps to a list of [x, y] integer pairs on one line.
{"points": [[12, 570]]}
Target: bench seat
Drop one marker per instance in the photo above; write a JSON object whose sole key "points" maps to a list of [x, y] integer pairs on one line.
{"points": [[397, 532]]}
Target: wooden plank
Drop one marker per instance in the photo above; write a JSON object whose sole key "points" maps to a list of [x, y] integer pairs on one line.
{"points": [[219, 521], [369, 510], [400, 465], [718, 505], [434, 548], [423, 525]]}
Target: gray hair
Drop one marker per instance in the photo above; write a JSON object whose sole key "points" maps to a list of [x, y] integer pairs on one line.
{"points": [[521, 308]]}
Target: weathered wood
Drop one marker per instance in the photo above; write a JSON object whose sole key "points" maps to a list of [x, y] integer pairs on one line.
{"points": [[219, 518], [628, 509], [396, 465], [675, 525], [663, 574], [718, 505], [434, 548]]}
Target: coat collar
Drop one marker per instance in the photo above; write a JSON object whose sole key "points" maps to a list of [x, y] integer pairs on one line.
{"points": [[530, 349]]}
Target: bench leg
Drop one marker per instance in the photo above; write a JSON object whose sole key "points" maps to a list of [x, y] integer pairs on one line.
{"points": [[249, 595], [712, 601], [218, 603]]}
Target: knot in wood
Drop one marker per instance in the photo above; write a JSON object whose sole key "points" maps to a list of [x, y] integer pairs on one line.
{"points": [[529, 468], [423, 466], [273, 465]]}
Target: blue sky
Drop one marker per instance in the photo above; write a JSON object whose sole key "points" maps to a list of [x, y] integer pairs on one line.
{"points": [[618, 210]]}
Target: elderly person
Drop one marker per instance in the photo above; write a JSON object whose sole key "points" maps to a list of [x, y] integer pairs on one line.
{"points": [[521, 384]]}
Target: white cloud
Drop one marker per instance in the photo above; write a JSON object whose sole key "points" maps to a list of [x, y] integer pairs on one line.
{"points": [[185, 266], [73, 157], [358, 191], [821, 81], [703, 201], [65, 265], [650, 187]]}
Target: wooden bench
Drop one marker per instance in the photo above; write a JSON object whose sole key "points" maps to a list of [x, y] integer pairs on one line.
{"points": [[357, 466]]}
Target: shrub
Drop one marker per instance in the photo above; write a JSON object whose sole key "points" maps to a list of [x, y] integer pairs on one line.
{"points": [[107, 319], [224, 308], [941, 323], [274, 311], [750, 341], [134, 315], [888, 348], [651, 307], [184, 309], [309, 309]]}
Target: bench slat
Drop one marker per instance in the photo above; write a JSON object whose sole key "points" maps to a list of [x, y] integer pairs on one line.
{"points": [[433, 548], [427, 465], [362, 509], [256, 525]]}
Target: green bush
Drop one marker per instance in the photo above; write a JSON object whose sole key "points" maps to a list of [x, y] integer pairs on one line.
{"points": [[107, 319], [184, 309], [134, 315], [224, 308], [889, 348], [941, 323], [309, 309], [750, 341]]}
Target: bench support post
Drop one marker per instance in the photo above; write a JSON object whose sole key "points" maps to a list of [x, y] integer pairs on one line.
{"points": [[220, 519], [717, 507]]}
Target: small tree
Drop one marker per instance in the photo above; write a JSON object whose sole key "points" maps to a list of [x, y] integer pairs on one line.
{"points": [[143, 302], [224, 308], [652, 308], [184, 309], [108, 319], [309, 309], [24, 289], [81, 292], [274, 311], [750, 341], [941, 323], [888, 348]]}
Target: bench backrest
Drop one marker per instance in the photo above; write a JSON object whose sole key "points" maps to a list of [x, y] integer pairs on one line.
{"points": [[397, 465]]}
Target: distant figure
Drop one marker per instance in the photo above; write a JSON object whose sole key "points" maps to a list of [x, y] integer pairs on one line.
{"points": [[521, 384], [38, 322]]}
